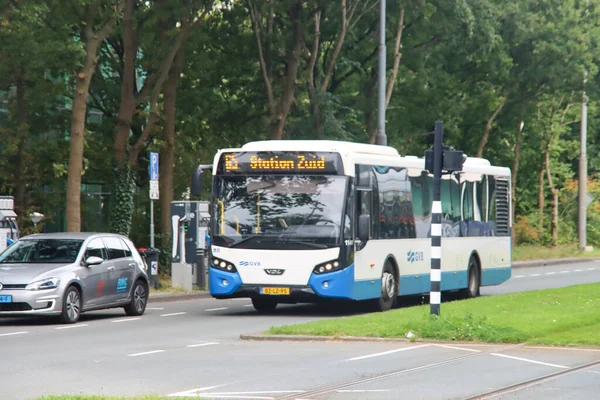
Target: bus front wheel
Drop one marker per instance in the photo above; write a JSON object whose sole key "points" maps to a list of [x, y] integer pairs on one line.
{"points": [[389, 289], [264, 305]]}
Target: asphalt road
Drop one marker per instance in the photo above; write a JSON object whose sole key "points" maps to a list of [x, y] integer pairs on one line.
{"points": [[192, 348]]}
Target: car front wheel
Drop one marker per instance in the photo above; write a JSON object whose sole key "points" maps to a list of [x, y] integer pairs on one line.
{"points": [[71, 309], [139, 299]]}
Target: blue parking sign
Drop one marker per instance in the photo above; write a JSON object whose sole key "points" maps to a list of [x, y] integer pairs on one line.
{"points": [[153, 166]]}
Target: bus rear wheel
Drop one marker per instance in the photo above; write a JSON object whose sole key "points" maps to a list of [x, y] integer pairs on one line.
{"points": [[264, 305], [389, 289]]}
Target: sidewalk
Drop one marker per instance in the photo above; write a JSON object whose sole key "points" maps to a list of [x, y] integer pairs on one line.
{"points": [[169, 296]]}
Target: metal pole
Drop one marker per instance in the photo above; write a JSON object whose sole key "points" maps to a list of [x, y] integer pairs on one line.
{"points": [[381, 138], [583, 171], [152, 223], [436, 223]]}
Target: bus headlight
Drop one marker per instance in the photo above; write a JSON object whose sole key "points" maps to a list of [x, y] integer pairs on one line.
{"points": [[223, 265], [328, 266]]}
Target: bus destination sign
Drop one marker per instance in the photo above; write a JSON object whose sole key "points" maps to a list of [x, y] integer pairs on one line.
{"points": [[279, 162]]}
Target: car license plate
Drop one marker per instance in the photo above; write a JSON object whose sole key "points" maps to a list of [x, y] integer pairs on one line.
{"points": [[6, 298], [274, 290]]}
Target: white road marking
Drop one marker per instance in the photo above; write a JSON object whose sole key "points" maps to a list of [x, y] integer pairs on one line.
{"points": [[216, 309], [519, 276], [193, 392], [531, 361], [13, 333], [171, 314], [564, 272], [578, 270], [535, 275], [125, 319], [594, 372], [386, 352], [550, 273], [361, 390], [71, 326], [241, 299], [201, 344], [457, 348], [591, 269], [145, 353], [155, 308], [247, 305]]}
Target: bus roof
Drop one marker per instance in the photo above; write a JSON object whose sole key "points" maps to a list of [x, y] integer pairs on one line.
{"points": [[323, 145], [361, 152]]}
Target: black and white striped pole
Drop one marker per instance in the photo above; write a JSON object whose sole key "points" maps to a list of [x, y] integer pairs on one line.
{"points": [[436, 223], [441, 158]]}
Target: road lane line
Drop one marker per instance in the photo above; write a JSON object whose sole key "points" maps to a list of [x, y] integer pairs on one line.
{"points": [[202, 344], [361, 390], [193, 392], [71, 326], [155, 308], [386, 352], [564, 272], [145, 353], [535, 275], [247, 305], [528, 360], [457, 348], [578, 270], [216, 309], [13, 333], [125, 319], [550, 273], [594, 372], [591, 269], [519, 276], [171, 314]]}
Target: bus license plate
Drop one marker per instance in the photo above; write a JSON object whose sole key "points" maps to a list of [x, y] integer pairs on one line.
{"points": [[274, 290], [7, 298]]}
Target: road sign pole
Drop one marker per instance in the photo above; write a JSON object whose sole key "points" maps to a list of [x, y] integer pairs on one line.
{"points": [[436, 223], [151, 223], [153, 192]]}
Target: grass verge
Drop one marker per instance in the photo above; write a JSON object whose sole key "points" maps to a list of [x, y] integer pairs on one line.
{"points": [[564, 317], [82, 397], [533, 252]]}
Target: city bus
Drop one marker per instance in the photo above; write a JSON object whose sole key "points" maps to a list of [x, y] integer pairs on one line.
{"points": [[305, 221]]}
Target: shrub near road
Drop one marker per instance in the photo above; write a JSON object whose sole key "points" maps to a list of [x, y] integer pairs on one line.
{"points": [[565, 317]]}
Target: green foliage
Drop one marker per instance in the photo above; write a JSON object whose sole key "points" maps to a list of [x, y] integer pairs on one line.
{"points": [[468, 327], [121, 209]]}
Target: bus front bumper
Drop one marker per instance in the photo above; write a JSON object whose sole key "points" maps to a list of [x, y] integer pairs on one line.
{"points": [[335, 285]]}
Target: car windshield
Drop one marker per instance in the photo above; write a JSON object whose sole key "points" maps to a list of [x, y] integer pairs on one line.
{"points": [[279, 211], [39, 251]]}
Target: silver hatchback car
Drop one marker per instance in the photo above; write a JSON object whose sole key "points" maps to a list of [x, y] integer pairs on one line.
{"points": [[66, 274]]}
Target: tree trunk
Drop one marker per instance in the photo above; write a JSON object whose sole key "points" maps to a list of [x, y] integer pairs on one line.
{"points": [[554, 190], [289, 87], [541, 201], [488, 126], [22, 133], [78, 117], [167, 164], [515, 166]]}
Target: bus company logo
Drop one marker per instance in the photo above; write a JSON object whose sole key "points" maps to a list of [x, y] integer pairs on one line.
{"points": [[414, 256], [249, 263], [274, 271]]}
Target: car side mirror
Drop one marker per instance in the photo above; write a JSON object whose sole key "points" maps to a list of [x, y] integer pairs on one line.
{"points": [[364, 225], [93, 260]]}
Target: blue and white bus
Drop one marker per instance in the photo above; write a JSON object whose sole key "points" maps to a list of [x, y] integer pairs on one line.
{"points": [[285, 224]]}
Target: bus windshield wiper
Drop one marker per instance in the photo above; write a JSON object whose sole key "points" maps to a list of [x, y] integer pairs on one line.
{"points": [[311, 244], [244, 240]]}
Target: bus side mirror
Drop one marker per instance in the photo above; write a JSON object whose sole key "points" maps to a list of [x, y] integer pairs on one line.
{"points": [[364, 225], [196, 188]]}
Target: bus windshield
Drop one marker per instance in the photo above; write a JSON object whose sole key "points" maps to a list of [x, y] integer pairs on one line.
{"points": [[279, 211]]}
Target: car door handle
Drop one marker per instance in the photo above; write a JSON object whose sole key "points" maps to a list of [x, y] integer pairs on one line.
{"points": [[131, 265], [111, 268]]}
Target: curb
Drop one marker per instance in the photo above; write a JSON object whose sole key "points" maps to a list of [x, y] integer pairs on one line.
{"points": [[307, 338], [555, 261], [170, 297]]}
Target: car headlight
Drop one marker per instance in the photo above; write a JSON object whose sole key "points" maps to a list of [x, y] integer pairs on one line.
{"points": [[49, 283]]}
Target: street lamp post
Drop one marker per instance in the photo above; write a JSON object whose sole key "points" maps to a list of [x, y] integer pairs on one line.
{"points": [[381, 138]]}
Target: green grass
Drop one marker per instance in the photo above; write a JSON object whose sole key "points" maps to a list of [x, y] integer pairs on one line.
{"points": [[533, 252], [81, 397], [566, 317]]}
